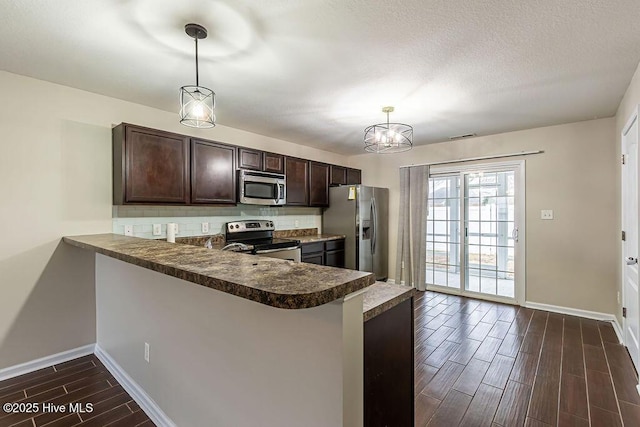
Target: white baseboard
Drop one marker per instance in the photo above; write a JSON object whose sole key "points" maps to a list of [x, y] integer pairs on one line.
{"points": [[45, 362], [618, 329], [596, 315], [148, 405]]}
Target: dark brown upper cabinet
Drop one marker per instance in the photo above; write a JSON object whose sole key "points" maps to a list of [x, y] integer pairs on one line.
{"points": [[149, 166], [297, 172], [354, 176], [249, 159], [338, 175], [318, 184], [273, 163], [213, 178]]}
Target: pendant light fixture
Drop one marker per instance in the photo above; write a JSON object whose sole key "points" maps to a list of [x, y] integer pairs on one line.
{"points": [[386, 138], [197, 103]]}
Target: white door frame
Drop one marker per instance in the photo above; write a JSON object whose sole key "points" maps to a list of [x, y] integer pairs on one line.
{"points": [[632, 119], [520, 220]]}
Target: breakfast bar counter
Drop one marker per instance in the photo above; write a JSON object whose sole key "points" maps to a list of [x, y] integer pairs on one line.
{"points": [[222, 338], [277, 283]]}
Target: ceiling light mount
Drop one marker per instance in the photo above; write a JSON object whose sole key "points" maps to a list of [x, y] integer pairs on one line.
{"points": [[197, 103], [387, 138], [195, 31]]}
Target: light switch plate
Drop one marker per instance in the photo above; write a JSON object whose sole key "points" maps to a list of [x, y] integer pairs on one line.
{"points": [[546, 214], [157, 229], [128, 230], [205, 227]]}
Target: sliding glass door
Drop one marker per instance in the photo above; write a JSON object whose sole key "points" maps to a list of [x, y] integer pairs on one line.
{"points": [[474, 231]]}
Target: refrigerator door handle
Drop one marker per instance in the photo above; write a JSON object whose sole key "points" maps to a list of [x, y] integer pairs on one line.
{"points": [[374, 231]]}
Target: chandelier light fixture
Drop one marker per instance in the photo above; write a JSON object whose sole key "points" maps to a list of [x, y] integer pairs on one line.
{"points": [[197, 103], [386, 138]]}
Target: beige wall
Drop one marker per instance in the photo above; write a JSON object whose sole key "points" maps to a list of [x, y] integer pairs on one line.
{"points": [[55, 180], [212, 354], [570, 261], [629, 102]]}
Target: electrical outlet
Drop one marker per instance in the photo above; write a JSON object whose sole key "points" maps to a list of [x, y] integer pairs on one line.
{"points": [[157, 229], [205, 227], [546, 214], [297, 223], [128, 230], [146, 352]]}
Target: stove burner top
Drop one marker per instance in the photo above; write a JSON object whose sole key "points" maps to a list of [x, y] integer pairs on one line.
{"points": [[258, 234]]}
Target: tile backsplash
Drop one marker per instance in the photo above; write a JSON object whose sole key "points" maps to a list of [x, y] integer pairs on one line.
{"points": [[190, 218]]}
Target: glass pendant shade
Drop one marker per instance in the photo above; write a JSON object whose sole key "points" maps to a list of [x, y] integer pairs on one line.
{"points": [[197, 106], [387, 138]]}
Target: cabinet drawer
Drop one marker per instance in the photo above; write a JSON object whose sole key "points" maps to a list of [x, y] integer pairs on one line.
{"points": [[309, 248], [332, 245], [317, 258]]}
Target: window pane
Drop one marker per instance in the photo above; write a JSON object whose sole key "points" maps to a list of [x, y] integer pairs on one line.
{"points": [[473, 280], [488, 283], [453, 254], [440, 231], [429, 252], [429, 275]]}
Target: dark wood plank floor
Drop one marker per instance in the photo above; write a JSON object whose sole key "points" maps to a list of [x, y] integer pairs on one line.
{"points": [[486, 364], [84, 380], [477, 364]]}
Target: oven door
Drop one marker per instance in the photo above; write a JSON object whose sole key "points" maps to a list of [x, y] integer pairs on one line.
{"points": [[261, 190]]}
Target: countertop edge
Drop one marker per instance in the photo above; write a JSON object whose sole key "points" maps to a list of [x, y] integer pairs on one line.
{"points": [[283, 301], [388, 304], [318, 238]]}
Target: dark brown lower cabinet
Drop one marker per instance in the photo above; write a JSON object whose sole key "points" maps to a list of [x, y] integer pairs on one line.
{"points": [[388, 368], [334, 258], [329, 253]]}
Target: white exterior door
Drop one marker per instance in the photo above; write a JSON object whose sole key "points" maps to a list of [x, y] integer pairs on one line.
{"points": [[630, 248]]}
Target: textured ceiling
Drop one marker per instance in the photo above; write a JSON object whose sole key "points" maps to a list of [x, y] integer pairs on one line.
{"points": [[317, 72]]}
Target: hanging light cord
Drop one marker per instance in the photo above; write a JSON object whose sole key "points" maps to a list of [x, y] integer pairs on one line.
{"points": [[197, 76]]}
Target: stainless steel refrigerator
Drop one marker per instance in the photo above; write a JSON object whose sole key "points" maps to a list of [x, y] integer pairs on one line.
{"points": [[361, 213]]}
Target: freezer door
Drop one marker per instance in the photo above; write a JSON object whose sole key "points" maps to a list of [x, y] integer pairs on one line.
{"points": [[366, 222], [379, 232]]}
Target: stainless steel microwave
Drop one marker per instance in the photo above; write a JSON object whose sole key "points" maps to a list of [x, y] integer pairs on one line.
{"points": [[261, 188]]}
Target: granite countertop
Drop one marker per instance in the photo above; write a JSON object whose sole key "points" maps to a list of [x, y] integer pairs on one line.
{"points": [[304, 235], [269, 281], [319, 238], [382, 296]]}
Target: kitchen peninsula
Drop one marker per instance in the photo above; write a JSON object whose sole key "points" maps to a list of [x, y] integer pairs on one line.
{"points": [[287, 352]]}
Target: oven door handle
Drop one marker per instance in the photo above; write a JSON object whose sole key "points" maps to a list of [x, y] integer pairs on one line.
{"points": [[269, 251]]}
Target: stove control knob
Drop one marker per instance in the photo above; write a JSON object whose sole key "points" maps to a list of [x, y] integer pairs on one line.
{"points": [[270, 224], [237, 226]]}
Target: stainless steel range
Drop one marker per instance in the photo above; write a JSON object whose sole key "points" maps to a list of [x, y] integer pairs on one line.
{"points": [[256, 237]]}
